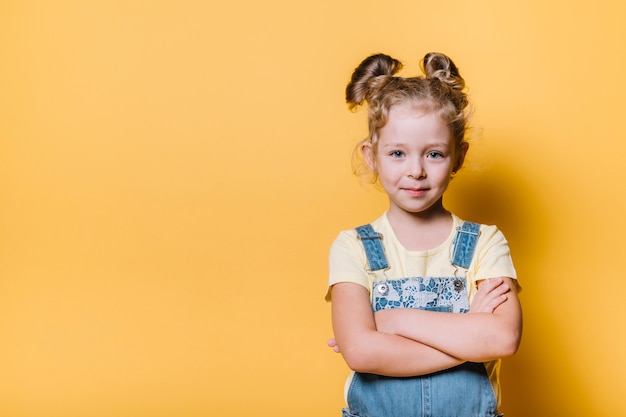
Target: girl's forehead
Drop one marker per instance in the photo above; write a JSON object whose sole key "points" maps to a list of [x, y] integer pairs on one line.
{"points": [[399, 114], [411, 124], [415, 108]]}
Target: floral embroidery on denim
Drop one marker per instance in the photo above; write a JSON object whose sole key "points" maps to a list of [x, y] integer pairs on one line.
{"points": [[426, 293]]}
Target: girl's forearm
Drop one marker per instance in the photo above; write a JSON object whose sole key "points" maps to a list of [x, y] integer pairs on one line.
{"points": [[476, 337], [365, 349], [392, 355]]}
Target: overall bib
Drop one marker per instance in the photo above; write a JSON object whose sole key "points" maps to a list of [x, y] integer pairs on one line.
{"points": [[461, 391]]}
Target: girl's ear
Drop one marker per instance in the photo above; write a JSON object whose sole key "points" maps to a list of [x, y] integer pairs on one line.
{"points": [[368, 155], [460, 156]]}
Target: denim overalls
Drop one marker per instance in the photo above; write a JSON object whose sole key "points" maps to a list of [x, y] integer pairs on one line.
{"points": [[462, 391]]}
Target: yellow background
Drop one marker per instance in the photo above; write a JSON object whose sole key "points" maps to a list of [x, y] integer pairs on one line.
{"points": [[172, 174]]}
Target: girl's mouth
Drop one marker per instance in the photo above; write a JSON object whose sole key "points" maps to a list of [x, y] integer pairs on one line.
{"points": [[415, 192]]}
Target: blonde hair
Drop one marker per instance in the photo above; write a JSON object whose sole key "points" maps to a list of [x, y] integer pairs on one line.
{"points": [[439, 90]]}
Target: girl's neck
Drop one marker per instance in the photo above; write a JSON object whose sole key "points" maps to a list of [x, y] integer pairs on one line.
{"points": [[421, 231]]}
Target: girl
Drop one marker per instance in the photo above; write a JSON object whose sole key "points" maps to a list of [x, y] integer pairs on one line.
{"points": [[393, 281]]}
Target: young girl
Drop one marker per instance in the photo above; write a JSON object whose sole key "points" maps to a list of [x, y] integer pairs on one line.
{"points": [[399, 284]]}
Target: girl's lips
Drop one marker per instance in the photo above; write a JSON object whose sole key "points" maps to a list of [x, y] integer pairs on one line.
{"points": [[415, 192]]}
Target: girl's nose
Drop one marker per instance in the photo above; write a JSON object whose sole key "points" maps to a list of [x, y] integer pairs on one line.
{"points": [[416, 170]]}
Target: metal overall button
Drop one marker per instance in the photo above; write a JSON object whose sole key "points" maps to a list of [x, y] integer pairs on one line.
{"points": [[382, 288], [458, 285]]}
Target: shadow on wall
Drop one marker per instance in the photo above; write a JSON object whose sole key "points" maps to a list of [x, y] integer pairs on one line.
{"points": [[498, 196], [535, 381]]}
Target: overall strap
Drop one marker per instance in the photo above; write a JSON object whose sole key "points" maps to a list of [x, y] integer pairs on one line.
{"points": [[465, 244], [373, 245]]}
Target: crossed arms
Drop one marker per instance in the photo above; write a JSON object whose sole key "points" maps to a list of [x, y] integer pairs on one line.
{"points": [[409, 342]]}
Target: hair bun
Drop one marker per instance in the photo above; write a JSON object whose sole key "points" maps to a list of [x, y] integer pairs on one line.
{"points": [[369, 77], [440, 66]]}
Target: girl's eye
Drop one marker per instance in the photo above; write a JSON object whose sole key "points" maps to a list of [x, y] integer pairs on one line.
{"points": [[435, 155], [397, 154]]}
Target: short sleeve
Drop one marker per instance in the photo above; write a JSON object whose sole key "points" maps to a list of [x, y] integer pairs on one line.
{"points": [[347, 262], [493, 257]]}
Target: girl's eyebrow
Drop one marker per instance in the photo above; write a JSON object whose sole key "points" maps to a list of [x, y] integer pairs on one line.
{"points": [[434, 143], [394, 144], [438, 143]]}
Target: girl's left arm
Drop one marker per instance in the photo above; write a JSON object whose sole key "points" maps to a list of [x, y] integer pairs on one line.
{"points": [[476, 337]]}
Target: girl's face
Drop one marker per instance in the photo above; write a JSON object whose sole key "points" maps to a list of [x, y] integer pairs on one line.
{"points": [[415, 158]]}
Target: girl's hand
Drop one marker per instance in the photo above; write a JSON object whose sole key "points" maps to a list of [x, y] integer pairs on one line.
{"points": [[333, 344], [491, 293]]}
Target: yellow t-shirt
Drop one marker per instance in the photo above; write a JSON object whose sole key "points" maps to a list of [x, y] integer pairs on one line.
{"points": [[492, 258]]}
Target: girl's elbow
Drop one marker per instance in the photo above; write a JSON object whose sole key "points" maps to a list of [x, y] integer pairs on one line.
{"points": [[510, 344], [506, 336], [358, 366], [356, 363], [358, 360]]}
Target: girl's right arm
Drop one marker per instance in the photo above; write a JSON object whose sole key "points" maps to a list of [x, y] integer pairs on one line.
{"points": [[366, 350]]}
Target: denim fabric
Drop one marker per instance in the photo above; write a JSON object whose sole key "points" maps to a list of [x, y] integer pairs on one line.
{"points": [[462, 391], [430, 293], [372, 242], [465, 244]]}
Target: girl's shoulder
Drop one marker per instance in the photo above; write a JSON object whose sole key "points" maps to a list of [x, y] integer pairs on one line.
{"points": [[347, 241], [380, 225], [486, 230]]}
